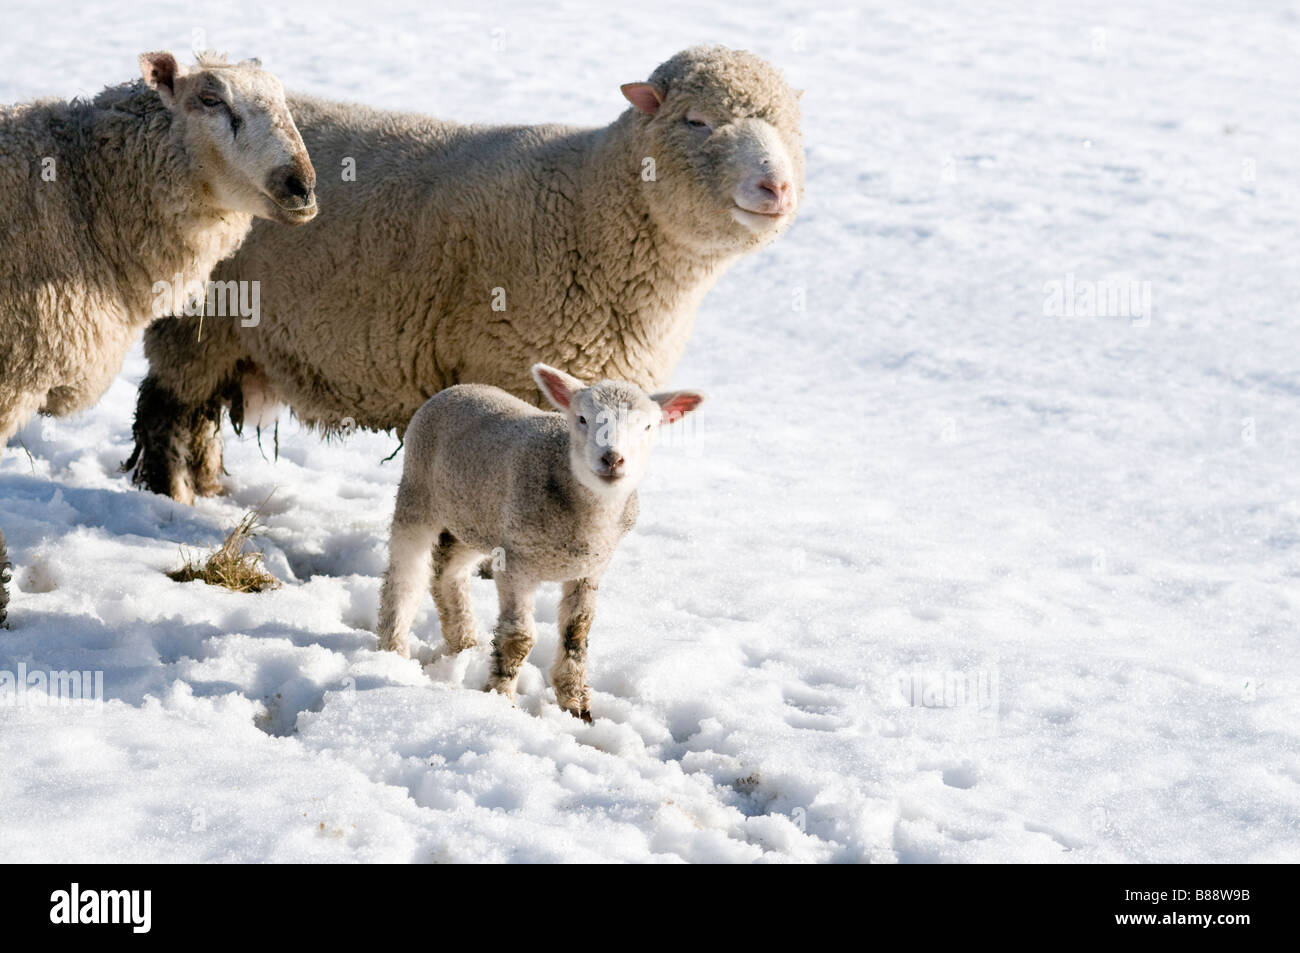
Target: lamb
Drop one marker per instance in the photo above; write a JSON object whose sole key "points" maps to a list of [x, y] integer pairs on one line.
{"points": [[463, 254], [113, 203], [549, 495]]}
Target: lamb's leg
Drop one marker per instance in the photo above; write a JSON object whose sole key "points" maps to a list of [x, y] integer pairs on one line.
{"points": [[514, 635], [569, 673], [452, 561], [409, 557]]}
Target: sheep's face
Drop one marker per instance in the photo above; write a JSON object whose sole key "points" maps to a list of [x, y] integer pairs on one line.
{"points": [[722, 127], [236, 126], [612, 426]]}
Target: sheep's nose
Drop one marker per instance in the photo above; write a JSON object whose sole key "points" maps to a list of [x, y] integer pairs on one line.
{"points": [[612, 459], [296, 187], [779, 193], [293, 186]]}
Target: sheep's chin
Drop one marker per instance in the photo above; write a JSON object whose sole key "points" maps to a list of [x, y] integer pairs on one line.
{"points": [[611, 491], [757, 221]]}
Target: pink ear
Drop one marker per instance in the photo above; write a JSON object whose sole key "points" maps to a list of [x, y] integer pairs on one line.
{"points": [[558, 386], [643, 96], [677, 404]]}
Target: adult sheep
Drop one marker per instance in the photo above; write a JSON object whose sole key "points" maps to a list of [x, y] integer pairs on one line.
{"points": [[150, 182], [469, 253]]}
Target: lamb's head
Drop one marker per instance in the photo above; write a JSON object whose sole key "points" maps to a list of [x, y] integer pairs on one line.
{"points": [[236, 126], [612, 426], [722, 127]]}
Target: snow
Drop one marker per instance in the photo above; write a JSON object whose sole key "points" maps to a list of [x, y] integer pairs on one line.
{"points": [[940, 577]]}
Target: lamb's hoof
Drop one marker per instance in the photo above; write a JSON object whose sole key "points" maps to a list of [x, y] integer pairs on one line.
{"points": [[403, 650], [585, 715]]}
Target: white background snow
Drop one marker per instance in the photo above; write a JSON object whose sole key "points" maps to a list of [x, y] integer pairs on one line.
{"points": [[919, 476]]}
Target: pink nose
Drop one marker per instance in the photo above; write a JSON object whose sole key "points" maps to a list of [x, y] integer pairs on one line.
{"points": [[779, 194]]}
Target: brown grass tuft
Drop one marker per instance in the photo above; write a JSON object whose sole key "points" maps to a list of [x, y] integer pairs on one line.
{"points": [[232, 564]]}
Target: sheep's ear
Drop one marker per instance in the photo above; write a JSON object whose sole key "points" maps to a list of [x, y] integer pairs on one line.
{"points": [[160, 72], [676, 404], [559, 387], [645, 97]]}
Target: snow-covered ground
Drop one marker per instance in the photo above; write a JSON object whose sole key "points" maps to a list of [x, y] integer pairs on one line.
{"points": [[945, 576]]}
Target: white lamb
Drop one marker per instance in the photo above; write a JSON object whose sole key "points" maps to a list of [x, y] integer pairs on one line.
{"points": [[549, 495]]}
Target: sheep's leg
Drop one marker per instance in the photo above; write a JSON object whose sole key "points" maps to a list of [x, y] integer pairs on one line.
{"points": [[409, 557], [205, 450], [514, 635], [452, 561], [4, 581], [569, 673], [177, 427], [177, 448], [15, 411]]}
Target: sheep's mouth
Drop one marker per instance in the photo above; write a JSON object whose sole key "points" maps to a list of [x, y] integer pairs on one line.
{"points": [[293, 216], [610, 476], [757, 221], [304, 212], [281, 209]]}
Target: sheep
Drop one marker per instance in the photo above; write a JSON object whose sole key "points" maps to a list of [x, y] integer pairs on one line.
{"points": [[4, 582], [110, 204], [461, 254], [548, 495]]}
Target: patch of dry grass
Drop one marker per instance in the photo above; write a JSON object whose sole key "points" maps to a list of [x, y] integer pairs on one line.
{"points": [[232, 565]]}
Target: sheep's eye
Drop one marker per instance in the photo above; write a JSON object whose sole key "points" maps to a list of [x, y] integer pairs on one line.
{"points": [[209, 100], [696, 123], [582, 421], [647, 427]]}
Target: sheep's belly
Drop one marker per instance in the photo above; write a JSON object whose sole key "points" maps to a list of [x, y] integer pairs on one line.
{"points": [[543, 564], [560, 566]]}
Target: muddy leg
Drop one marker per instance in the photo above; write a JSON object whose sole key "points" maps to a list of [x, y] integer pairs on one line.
{"points": [[4, 582], [569, 673], [514, 635], [452, 562]]}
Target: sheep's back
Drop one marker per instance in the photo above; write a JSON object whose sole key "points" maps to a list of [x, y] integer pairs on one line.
{"points": [[369, 308]]}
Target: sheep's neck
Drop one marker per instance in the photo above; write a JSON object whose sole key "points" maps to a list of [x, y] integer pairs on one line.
{"points": [[602, 506], [652, 307], [146, 214]]}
